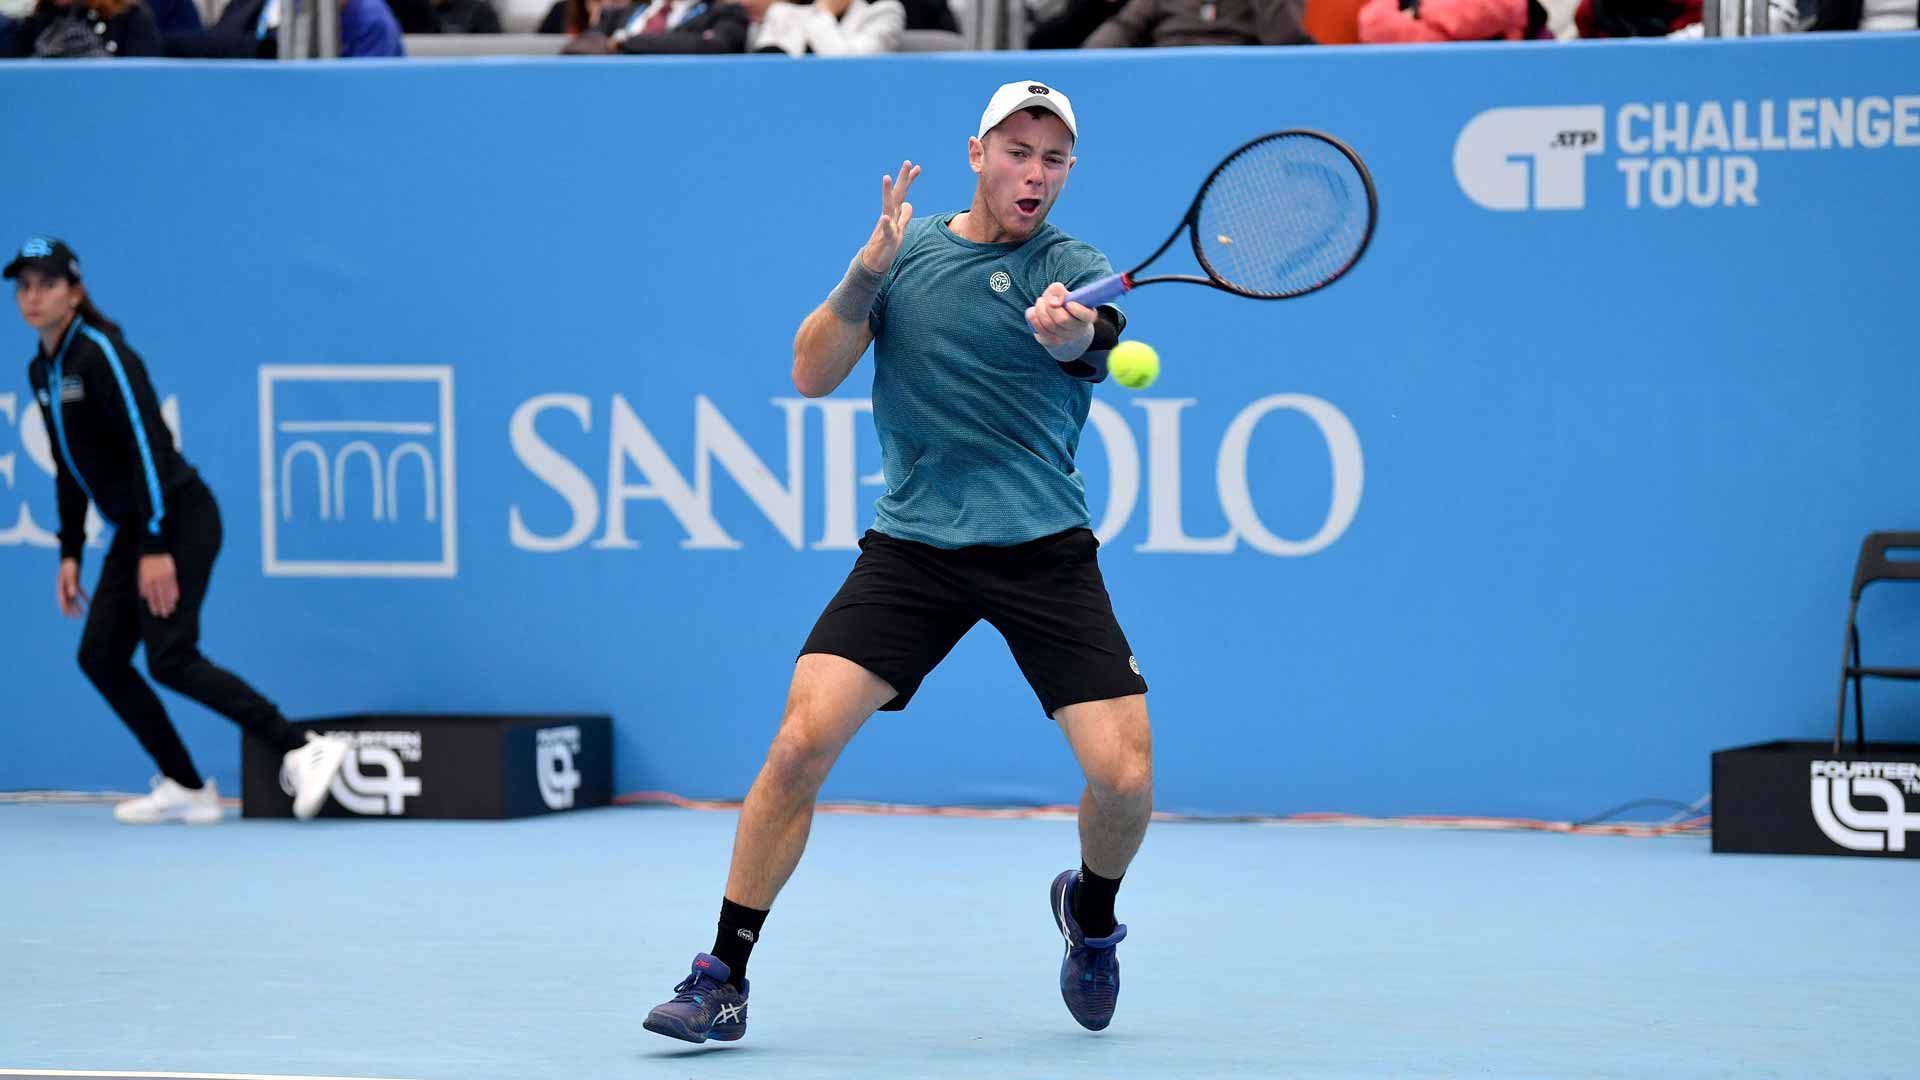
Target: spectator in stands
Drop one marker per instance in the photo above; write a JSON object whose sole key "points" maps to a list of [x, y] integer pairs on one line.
{"points": [[86, 28], [1197, 22], [181, 30], [572, 17], [1865, 15], [569, 17], [931, 15], [415, 16], [1634, 18], [249, 29], [831, 27], [176, 16], [1386, 22], [467, 17], [1065, 24], [1783, 17], [665, 27], [11, 12]]}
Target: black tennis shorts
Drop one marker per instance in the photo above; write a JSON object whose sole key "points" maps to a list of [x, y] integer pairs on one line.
{"points": [[907, 604]]}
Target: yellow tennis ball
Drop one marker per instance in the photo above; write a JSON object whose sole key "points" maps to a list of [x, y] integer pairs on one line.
{"points": [[1134, 364]]}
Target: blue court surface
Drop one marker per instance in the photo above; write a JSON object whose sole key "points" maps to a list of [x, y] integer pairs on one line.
{"points": [[922, 947]]}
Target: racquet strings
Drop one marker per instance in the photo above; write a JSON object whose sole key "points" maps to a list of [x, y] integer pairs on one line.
{"points": [[1284, 217]]}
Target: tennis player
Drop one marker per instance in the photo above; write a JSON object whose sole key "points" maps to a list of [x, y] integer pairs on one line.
{"points": [[982, 381], [112, 450]]}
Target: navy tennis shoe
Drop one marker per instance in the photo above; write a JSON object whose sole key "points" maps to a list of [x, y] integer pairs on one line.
{"points": [[703, 1006], [1090, 971]]}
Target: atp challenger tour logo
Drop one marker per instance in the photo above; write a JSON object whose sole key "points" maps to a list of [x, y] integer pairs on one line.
{"points": [[1837, 783], [1670, 153]]}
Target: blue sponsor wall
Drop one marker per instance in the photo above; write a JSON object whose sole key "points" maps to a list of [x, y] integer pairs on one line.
{"points": [[1555, 495]]}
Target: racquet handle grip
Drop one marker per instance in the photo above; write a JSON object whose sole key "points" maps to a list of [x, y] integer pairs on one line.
{"points": [[1100, 291]]}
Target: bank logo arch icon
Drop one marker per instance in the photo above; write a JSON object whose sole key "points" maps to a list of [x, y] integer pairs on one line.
{"points": [[357, 474]]}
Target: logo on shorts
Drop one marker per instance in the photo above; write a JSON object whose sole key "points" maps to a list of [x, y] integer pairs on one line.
{"points": [[1001, 281], [1134, 663]]}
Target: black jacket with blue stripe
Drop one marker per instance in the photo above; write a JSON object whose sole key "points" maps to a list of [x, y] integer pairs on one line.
{"points": [[110, 446]]}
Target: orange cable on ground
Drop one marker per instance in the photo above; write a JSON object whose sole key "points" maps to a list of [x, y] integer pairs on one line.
{"points": [[1689, 826]]}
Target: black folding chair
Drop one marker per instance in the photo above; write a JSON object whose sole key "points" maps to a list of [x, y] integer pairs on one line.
{"points": [[1874, 565]]}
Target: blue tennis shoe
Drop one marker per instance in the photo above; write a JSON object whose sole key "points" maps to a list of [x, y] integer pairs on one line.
{"points": [[1090, 971], [704, 1006]]}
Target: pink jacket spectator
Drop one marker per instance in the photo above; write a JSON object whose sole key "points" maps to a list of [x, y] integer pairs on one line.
{"points": [[1382, 22]]}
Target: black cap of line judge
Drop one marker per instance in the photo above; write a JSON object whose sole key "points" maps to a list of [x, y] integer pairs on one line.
{"points": [[47, 255]]}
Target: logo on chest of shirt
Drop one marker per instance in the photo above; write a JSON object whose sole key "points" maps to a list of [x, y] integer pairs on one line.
{"points": [[72, 389], [1000, 281]]}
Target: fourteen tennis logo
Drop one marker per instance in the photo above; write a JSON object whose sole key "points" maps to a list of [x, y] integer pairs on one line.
{"points": [[360, 790], [1836, 783], [554, 757], [1671, 153]]}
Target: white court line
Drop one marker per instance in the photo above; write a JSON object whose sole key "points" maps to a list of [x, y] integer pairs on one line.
{"points": [[177, 1075]]}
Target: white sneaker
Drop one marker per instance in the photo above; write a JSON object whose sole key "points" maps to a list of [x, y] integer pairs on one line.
{"points": [[308, 770], [169, 801]]}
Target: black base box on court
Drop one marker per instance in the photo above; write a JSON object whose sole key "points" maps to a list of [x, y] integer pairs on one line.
{"points": [[414, 765], [1801, 798]]}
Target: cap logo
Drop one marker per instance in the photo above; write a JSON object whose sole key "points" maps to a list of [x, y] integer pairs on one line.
{"points": [[1036, 88], [36, 248]]}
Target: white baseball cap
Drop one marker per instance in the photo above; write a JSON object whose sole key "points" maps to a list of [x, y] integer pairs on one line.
{"points": [[1027, 94]]}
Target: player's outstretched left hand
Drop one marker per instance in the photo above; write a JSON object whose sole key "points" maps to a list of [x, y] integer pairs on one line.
{"points": [[1056, 322]]}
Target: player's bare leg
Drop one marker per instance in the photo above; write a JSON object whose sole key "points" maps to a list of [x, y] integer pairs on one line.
{"points": [[828, 701], [1113, 742]]}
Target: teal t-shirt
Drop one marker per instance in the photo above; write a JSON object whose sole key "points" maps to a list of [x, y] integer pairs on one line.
{"points": [[978, 425]]}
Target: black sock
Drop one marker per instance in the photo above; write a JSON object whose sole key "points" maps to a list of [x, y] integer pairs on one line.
{"points": [[1093, 903], [739, 929]]}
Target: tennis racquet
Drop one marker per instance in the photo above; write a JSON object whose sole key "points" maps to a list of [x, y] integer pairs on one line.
{"points": [[1285, 215]]}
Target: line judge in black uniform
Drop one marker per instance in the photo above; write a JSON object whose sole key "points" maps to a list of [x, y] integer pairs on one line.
{"points": [[112, 450]]}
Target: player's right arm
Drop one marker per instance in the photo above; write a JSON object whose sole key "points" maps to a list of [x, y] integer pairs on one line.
{"points": [[832, 339]]}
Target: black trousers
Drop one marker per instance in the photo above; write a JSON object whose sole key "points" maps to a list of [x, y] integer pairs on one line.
{"points": [[118, 621]]}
